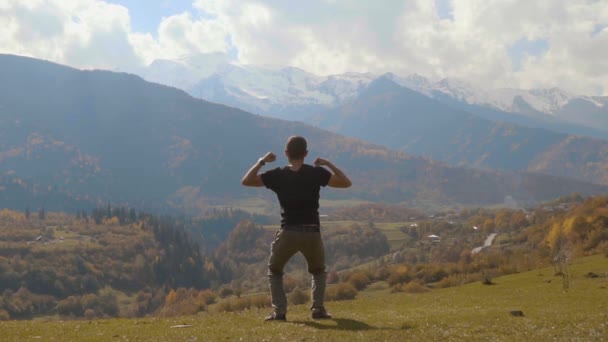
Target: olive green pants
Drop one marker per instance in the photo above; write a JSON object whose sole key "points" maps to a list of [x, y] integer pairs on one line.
{"points": [[285, 245]]}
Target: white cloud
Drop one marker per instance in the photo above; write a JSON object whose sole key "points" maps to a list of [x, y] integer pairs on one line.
{"points": [[85, 33], [325, 37]]}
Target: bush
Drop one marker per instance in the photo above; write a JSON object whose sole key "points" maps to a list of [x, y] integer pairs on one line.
{"points": [[289, 283], [70, 306], [184, 302], [399, 275], [343, 291], [209, 297], [298, 296], [334, 278], [358, 280], [243, 303], [4, 316], [108, 302], [415, 287], [225, 292], [449, 281], [89, 314], [260, 301]]}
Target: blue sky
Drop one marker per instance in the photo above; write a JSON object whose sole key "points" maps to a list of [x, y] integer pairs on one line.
{"points": [[525, 48], [444, 9], [146, 15]]}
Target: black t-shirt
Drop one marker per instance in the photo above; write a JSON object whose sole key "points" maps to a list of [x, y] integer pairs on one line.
{"points": [[298, 192]]}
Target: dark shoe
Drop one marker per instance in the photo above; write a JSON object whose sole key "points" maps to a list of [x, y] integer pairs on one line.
{"points": [[320, 314], [276, 317]]}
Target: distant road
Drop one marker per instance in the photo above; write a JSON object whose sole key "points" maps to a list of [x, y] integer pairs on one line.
{"points": [[486, 243]]}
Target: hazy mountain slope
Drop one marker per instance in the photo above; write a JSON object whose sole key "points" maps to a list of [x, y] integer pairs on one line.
{"points": [[393, 116], [538, 120], [113, 137]]}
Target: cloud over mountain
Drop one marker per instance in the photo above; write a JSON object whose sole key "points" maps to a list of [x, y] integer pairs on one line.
{"points": [[520, 43]]}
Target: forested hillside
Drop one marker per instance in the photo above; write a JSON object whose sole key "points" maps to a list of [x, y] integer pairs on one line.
{"points": [[117, 262], [52, 263]]}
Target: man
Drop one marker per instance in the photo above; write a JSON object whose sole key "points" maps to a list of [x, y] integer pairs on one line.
{"points": [[297, 186]]}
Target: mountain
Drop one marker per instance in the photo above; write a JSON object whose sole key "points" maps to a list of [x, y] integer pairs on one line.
{"points": [[113, 137], [183, 72], [400, 118], [283, 92], [288, 93], [295, 94], [552, 109]]}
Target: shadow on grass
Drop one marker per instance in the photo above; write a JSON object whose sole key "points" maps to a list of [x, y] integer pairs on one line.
{"points": [[341, 324]]}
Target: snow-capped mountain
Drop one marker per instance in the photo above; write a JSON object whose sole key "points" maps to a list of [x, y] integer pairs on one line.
{"points": [[548, 101], [549, 105], [184, 72], [293, 93], [287, 92]]}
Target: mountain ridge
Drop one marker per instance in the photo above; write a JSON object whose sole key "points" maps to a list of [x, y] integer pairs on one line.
{"points": [[114, 137], [402, 119], [550, 108]]}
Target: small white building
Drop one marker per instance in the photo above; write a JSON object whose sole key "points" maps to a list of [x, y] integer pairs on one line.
{"points": [[434, 238]]}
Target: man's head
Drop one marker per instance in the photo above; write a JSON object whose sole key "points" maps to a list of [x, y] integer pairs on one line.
{"points": [[296, 149]]}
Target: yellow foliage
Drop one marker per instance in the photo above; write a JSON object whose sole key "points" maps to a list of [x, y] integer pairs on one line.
{"points": [[11, 215], [569, 224], [113, 221], [401, 269], [171, 297], [554, 235], [209, 266]]}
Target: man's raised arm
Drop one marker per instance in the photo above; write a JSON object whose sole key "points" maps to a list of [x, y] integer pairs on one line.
{"points": [[338, 179], [252, 178]]}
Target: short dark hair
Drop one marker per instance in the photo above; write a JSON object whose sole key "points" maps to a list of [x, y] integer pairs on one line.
{"points": [[296, 147]]}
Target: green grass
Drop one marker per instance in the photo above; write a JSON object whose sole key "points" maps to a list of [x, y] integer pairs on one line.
{"points": [[395, 237], [262, 206], [340, 203], [465, 313]]}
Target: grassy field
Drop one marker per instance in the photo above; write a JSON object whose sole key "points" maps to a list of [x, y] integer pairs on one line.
{"points": [[470, 312], [265, 207], [395, 237]]}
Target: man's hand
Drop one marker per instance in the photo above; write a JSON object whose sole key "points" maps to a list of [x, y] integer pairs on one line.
{"points": [[322, 162], [338, 179], [252, 178], [269, 157]]}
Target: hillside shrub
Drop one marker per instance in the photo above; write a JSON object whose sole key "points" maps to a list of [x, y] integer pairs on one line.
{"points": [[342, 291], [411, 287], [359, 280], [70, 306], [225, 292], [89, 314], [4, 316], [449, 281], [25, 304], [399, 275], [298, 296], [183, 301], [243, 303], [334, 278]]}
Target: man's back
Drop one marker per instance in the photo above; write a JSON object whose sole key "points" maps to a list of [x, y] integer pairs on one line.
{"points": [[298, 192]]}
